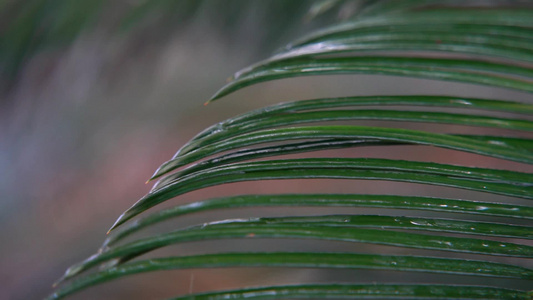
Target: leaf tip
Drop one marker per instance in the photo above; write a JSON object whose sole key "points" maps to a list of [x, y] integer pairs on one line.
{"points": [[213, 98], [219, 94], [117, 223], [156, 174], [55, 284]]}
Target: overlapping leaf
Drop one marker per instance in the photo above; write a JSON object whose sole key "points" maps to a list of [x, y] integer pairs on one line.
{"points": [[306, 259], [505, 34], [495, 47]]}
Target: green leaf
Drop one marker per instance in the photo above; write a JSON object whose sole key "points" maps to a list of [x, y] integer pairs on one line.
{"points": [[485, 180], [255, 153], [366, 291], [493, 147], [482, 33], [271, 121], [396, 222], [301, 260], [248, 229], [249, 154], [464, 70], [415, 38], [382, 101], [326, 200], [511, 22], [510, 42]]}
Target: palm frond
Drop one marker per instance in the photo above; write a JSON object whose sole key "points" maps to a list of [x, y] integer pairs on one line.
{"points": [[480, 46]]}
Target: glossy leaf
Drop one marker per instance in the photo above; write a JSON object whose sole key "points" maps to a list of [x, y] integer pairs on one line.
{"points": [[493, 148], [366, 291], [343, 115], [510, 22], [249, 154], [467, 71], [413, 38], [506, 47], [381, 101], [395, 222], [415, 32], [485, 180], [249, 229], [255, 153], [303, 260], [326, 200]]}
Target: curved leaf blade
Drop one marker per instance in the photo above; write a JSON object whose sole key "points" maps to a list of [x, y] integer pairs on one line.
{"points": [[366, 291], [303, 260], [382, 101], [244, 230], [326, 200], [508, 183], [512, 23], [250, 154], [290, 148], [468, 71], [273, 121], [493, 147], [396, 222], [493, 33], [426, 39]]}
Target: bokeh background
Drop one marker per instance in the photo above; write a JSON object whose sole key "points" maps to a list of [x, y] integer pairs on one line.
{"points": [[96, 94]]}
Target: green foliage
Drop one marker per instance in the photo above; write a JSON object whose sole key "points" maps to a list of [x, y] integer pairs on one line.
{"points": [[495, 48]]}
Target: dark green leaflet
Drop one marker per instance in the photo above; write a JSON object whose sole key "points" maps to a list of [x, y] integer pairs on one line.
{"points": [[367, 291], [313, 260], [468, 71], [493, 147], [486, 180], [331, 200]]}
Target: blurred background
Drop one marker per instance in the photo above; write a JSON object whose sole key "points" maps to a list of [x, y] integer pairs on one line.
{"points": [[96, 94]]}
